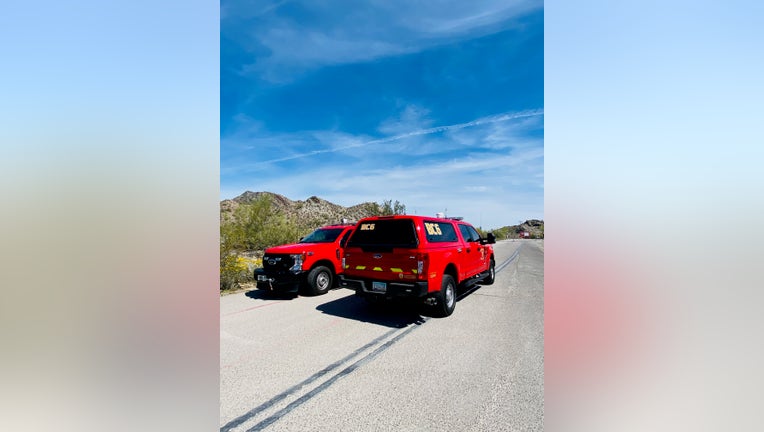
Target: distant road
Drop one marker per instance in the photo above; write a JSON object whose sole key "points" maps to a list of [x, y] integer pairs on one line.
{"points": [[334, 363]]}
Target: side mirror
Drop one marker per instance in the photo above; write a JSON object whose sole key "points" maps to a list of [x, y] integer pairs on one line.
{"points": [[491, 238]]}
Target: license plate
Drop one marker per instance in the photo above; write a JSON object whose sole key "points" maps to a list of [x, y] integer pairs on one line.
{"points": [[262, 278], [379, 287]]}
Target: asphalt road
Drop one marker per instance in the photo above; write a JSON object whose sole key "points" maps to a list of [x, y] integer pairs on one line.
{"points": [[334, 363]]}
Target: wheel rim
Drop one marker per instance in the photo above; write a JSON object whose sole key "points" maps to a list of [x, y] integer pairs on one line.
{"points": [[449, 295], [493, 272], [322, 281]]}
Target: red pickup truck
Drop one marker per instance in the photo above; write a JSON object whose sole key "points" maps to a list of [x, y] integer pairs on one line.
{"points": [[313, 262], [418, 257]]}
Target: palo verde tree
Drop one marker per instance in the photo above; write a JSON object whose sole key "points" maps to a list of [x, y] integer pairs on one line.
{"points": [[253, 227], [387, 208], [390, 208]]}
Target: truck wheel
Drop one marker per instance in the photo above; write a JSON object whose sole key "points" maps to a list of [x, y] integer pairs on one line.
{"points": [[319, 280], [491, 274], [446, 297]]}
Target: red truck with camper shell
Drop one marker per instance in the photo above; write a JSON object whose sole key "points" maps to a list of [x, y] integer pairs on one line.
{"points": [[419, 257], [313, 262]]}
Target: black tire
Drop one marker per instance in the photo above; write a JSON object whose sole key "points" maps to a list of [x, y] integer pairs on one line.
{"points": [[445, 298], [320, 280], [491, 274]]}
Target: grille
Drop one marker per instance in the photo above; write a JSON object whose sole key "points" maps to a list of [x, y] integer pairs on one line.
{"points": [[277, 262]]}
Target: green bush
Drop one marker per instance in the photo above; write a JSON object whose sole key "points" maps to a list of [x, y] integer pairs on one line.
{"points": [[387, 208], [235, 270], [253, 227]]}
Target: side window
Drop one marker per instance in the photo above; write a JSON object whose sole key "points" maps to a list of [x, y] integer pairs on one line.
{"points": [[475, 234], [345, 238], [466, 234], [439, 232]]}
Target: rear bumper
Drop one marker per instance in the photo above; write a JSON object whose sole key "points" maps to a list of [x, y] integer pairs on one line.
{"points": [[362, 286], [281, 282]]}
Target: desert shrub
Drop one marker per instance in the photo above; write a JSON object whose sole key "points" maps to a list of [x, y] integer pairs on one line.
{"points": [[387, 208], [236, 269], [501, 233], [390, 208], [232, 273], [253, 227]]}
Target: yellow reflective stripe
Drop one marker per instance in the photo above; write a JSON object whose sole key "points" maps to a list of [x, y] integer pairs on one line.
{"points": [[396, 270], [377, 268], [414, 271], [360, 267]]}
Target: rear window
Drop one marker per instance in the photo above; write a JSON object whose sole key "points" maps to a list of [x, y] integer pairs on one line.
{"points": [[439, 232], [384, 234]]}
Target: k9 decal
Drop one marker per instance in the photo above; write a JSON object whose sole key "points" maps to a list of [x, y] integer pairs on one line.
{"points": [[432, 228]]}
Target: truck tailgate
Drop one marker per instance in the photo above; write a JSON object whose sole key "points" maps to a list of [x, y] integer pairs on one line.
{"points": [[388, 266]]}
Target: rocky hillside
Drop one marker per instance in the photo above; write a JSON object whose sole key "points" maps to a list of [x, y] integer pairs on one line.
{"points": [[311, 213], [533, 226], [315, 212]]}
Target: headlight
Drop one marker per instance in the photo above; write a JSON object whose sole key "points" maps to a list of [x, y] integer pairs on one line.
{"points": [[298, 259]]}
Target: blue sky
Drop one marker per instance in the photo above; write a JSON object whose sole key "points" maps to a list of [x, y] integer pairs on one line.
{"points": [[436, 104]]}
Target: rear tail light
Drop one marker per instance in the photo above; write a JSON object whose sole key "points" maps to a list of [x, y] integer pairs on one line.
{"points": [[420, 266]]}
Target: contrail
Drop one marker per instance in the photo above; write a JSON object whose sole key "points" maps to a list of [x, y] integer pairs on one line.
{"points": [[485, 120]]}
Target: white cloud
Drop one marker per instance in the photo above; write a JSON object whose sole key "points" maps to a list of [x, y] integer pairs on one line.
{"points": [[476, 188], [411, 118], [509, 190], [288, 146], [294, 49], [489, 170], [349, 32], [445, 18]]}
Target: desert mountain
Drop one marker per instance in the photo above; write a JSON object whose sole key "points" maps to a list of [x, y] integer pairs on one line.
{"points": [[311, 213], [534, 227], [315, 212]]}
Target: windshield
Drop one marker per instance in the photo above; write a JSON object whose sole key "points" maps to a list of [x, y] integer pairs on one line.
{"points": [[322, 235]]}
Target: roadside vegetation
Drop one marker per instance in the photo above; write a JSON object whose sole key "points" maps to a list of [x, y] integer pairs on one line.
{"points": [[535, 229], [253, 227], [250, 227], [387, 208], [259, 224]]}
